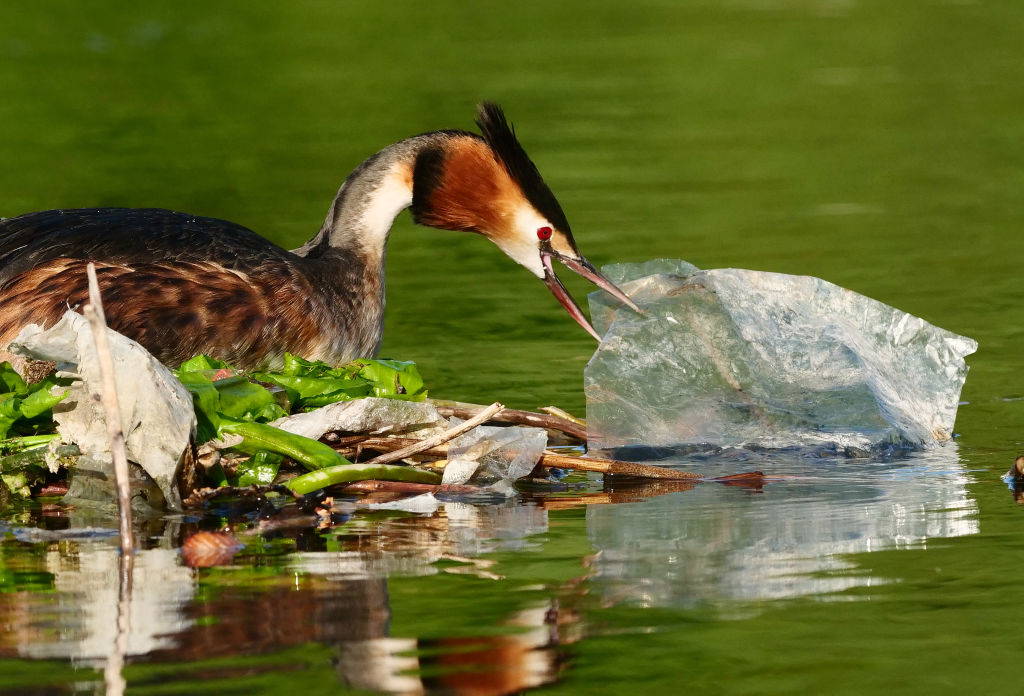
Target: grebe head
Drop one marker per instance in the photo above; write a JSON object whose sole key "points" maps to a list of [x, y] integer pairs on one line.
{"points": [[490, 186]]}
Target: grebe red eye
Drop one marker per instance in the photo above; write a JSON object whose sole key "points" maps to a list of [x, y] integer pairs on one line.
{"points": [[543, 233]]}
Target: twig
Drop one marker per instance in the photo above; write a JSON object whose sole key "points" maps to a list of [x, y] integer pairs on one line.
{"points": [[612, 466], [440, 438], [511, 415], [562, 413], [93, 311], [97, 320], [549, 459]]}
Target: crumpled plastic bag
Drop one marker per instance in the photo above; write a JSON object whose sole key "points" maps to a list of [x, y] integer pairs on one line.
{"points": [[736, 358], [157, 418], [494, 456], [366, 415]]}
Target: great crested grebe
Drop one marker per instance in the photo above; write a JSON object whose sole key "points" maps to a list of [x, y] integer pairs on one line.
{"points": [[182, 285]]}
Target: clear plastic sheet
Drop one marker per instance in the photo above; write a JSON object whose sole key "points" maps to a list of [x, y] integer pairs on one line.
{"points": [[501, 455], [736, 358]]}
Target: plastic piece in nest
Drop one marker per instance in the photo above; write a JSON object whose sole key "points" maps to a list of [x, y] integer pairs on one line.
{"points": [[503, 455], [157, 418], [735, 358], [367, 415]]}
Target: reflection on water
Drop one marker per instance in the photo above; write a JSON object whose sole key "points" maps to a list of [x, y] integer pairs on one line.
{"points": [[717, 543], [332, 590], [662, 545], [413, 545]]}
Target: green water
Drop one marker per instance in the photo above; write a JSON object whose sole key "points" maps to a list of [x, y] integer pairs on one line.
{"points": [[878, 145]]}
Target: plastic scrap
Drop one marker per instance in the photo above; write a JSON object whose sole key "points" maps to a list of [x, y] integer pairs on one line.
{"points": [[370, 415], [494, 456], [156, 410], [736, 358]]}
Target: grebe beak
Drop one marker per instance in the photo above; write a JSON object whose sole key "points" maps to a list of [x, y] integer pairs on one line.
{"points": [[587, 270]]}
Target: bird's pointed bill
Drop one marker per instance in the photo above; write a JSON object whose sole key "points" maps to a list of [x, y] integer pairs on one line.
{"points": [[585, 269]]}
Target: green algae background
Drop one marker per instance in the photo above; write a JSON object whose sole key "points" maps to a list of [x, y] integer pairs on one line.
{"points": [[877, 145]]}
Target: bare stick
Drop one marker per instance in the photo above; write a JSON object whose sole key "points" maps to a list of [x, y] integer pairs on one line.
{"points": [[612, 466], [439, 439], [511, 415], [94, 313], [562, 413], [549, 459]]}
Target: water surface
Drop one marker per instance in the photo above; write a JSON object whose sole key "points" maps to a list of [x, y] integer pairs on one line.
{"points": [[876, 145]]}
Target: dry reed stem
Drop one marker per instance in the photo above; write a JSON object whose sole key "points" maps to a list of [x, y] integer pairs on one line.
{"points": [[514, 416], [549, 459], [93, 311]]}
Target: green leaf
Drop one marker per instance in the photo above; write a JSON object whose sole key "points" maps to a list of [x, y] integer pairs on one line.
{"points": [[296, 366], [39, 402], [14, 410], [237, 406], [260, 468], [17, 483], [239, 398], [206, 401], [306, 392], [393, 378], [203, 362], [11, 381]]}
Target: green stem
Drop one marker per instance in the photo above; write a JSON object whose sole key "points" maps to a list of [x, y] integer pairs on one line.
{"points": [[313, 481], [258, 436], [34, 457], [19, 443]]}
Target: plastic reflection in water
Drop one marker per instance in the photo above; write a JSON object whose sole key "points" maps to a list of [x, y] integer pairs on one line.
{"points": [[715, 544]]}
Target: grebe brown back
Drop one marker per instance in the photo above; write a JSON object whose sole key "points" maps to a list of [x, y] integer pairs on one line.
{"points": [[182, 285]]}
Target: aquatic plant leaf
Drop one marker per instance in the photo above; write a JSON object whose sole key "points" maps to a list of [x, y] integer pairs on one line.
{"points": [[260, 468], [17, 484], [201, 362], [324, 390], [313, 384], [206, 402], [39, 402], [393, 378], [296, 366], [10, 380], [240, 398], [17, 444], [239, 407], [22, 403]]}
